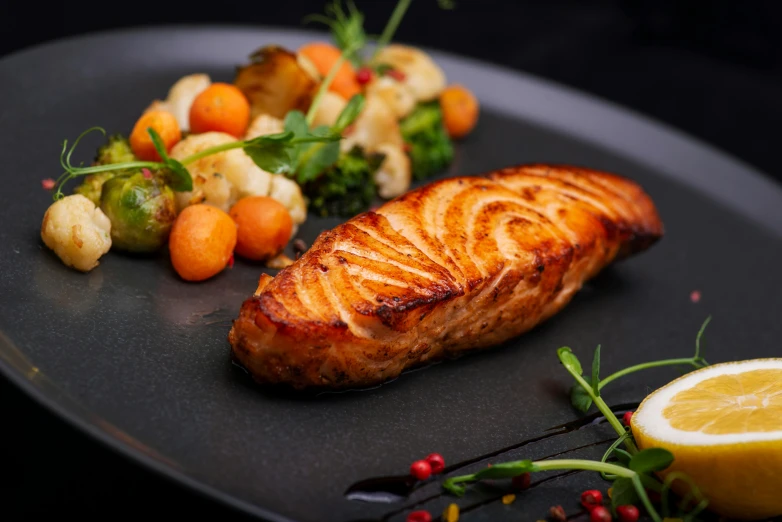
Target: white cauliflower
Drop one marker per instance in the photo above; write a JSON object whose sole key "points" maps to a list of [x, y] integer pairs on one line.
{"points": [[422, 75], [262, 125], [376, 124], [393, 176], [180, 98], [396, 94], [222, 179], [287, 192], [210, 184], [77, 231], [331, 105]]}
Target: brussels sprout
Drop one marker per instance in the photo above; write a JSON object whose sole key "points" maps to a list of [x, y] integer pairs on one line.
{"points": [[142, 210], [92, 185], [115, 150]]}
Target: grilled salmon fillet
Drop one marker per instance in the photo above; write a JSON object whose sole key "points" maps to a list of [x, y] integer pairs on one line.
{"points": [[460, 264]]}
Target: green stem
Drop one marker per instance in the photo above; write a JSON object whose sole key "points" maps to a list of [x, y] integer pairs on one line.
{"points": [[326, 83], [639, 488], [585, 465], [644, 366], [391, 26], [605, 410], [213, 150], [82, 171], [609, 451]]}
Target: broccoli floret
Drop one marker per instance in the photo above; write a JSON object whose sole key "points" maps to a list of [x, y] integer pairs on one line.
{"points": [[430, 148], [115, 150], [346, 188]]}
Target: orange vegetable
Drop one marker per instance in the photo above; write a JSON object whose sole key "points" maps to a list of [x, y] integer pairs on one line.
{"points": [[221, 107], [202, 242], [323, 55], [165, 125], [264, 227], [460, 110]]}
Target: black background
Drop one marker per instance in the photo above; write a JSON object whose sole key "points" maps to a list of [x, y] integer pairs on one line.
{"points": [[710, 68]]}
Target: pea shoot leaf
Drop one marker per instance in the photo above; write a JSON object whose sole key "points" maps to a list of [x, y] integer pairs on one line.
{"points": [[651, 459], [273, 152], [595, 380], [178, 176], [569, 360], [580, 398], [623, 492]]}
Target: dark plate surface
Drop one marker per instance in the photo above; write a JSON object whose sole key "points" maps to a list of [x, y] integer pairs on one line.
{"points": [[139, 359]]}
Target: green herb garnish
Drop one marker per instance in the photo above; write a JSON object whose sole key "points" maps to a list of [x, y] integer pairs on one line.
{"points": [[632, 472]]}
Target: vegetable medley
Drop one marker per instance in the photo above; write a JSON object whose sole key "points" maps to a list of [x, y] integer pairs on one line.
{"points": [[217, 168]]}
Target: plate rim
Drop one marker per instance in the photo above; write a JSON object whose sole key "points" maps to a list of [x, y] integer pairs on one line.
{"points": [[754, 183]]}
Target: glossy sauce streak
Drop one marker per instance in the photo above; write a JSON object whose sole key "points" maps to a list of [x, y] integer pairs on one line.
{"points": [[396, 488]]}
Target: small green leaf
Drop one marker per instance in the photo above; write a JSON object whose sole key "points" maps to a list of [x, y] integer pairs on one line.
{"points": [[348, 114], [623, 492], [315, 158], [580, 398], [454, 488], [179, 178], [506, 470], [272, 152], [569, 360], [157, 141], [595, 381], [651, 459]]}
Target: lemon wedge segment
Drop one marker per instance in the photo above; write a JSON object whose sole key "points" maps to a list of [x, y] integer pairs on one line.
{"points": [[723, 424]]}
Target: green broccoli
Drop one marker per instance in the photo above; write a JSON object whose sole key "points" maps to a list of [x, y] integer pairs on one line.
{"points": [[115, 150], [430, 148], [347, 188]]}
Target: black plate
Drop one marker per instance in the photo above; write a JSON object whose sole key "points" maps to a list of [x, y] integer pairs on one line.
{"points": [[139, 359]]}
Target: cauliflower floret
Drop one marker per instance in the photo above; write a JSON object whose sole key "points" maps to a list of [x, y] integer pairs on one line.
{"points": [[181, 95], [328, 111], [77, 231], [288, 192], [219, 179], [393, 176], [262, 125], [396, 94], [180, 98], [376, 124], [423, 76]]}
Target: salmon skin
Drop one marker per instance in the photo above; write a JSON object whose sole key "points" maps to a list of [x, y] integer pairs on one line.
{"points": [[460, 264]]}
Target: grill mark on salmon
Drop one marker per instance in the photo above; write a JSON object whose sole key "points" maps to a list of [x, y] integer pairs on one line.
{"points": [[458, 265]]}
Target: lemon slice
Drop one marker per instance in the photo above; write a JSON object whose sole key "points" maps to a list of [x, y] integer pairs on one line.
{"points": [[723, 424]]}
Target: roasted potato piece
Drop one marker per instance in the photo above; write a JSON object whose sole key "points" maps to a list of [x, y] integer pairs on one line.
{"points": [[275, 83]]}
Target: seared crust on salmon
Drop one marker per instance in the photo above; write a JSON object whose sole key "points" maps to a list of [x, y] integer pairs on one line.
{"points": [[460, 264]]}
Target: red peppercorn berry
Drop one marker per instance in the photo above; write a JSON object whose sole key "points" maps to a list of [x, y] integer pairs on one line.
{"points": [[591, 498], [419, 516], [626, 418], [364, 75], [437, 462], [600, 514], [521, 482], [557, 514], [627, 513], [421, 469]]}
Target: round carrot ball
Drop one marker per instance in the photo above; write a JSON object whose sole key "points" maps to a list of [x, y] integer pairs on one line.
{"points": [[164, 123], [264, 227], [460, 110], [221, 107], [202, 242]]}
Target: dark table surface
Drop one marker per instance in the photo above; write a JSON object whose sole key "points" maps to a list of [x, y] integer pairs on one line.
{"points": [[709, 68]]}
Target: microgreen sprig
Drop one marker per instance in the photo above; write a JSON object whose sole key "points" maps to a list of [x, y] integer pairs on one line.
{"points": [[347, 28], [633, 471], [582, 401]]}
